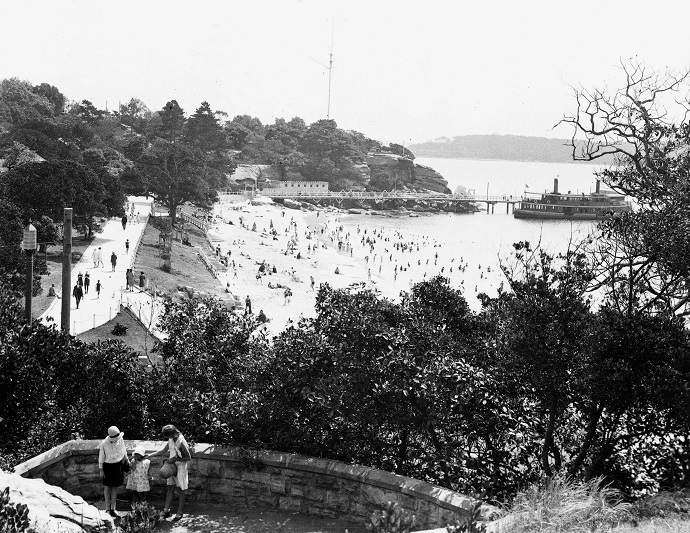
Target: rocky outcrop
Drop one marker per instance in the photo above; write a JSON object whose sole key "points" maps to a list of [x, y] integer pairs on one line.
{"points": [[380, 172], [54, 509], [389, 171]]}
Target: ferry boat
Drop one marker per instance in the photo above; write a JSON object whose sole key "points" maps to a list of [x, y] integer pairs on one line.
{"points": [[558, 206]]}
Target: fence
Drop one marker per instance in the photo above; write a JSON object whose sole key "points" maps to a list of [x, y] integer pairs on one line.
{"points": [[136, 245]]}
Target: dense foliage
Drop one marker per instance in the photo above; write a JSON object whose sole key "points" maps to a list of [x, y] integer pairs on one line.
{"points": [[477, 402], [579, 368], [55, 154]]}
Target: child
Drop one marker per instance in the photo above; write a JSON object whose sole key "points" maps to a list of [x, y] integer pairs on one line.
{"points": [[138, 479]]}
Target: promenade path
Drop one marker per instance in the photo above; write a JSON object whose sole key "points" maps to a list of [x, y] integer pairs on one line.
{"points": [[95, 311]]}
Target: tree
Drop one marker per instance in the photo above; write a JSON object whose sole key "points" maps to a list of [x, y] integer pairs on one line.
{"points": [[645, 126], [20, 103], [177, 174], [541, 333], [213, 370], [135, 114], [172, 122], [46, 188], [204, 131], [86, 111], [53, 95]]}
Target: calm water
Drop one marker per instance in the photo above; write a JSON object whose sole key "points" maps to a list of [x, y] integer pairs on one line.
{"points": [[473, 244]]}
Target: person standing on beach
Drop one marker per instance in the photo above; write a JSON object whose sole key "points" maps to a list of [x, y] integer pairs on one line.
{"points": [[179, 455], [111, 456], [87, 283], [113, 260], [77, 293]]}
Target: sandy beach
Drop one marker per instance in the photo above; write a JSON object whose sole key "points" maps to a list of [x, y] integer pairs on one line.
{"points": [[296, 246]]}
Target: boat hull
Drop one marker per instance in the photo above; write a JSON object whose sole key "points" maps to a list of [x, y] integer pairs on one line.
{"points": [[553, 215]]}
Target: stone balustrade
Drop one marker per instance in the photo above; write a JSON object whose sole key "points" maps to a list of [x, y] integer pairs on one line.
{"points": [[263, 479]]}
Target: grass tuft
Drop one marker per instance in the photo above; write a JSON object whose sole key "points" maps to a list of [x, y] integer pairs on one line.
{"points": [[568, 507]]}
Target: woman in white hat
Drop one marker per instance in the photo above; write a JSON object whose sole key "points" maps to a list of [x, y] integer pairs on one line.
{"points": [[111, 455]]}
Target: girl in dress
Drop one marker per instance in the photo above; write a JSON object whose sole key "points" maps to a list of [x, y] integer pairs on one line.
{"points": [[138, 479]]}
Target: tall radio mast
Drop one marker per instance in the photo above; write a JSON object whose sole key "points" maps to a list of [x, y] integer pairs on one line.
{"points": [[330, 70]]}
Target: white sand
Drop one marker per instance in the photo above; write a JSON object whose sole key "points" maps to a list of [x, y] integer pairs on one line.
{"points": [[250, 248]]}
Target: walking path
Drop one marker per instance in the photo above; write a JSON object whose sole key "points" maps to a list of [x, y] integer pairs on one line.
{"points": [[94, 310]]}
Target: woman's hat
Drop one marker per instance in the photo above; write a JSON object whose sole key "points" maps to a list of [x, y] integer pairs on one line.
{"points": [[168, 470], [140, 450], [113, 432]]}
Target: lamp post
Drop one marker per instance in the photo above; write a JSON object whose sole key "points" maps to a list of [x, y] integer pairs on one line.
{"points": [[29, 246]]}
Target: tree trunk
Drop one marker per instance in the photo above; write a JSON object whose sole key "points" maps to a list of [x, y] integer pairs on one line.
{"points": [[548, 437], [594, 416]]}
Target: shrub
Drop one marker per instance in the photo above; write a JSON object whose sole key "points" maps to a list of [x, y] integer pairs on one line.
{"points": [[119, 329], [391, 519], [143, 519], [473, 524], [14, 517]]}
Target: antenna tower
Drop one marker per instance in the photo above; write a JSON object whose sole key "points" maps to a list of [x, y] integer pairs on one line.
{"points": [[330, 71]]}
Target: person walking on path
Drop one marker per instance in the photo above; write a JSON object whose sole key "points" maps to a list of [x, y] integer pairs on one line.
{"points": [[111, 456], [77, 293], [80, 279], [113, 260], [98, 288], [87, 283], [127, 247], [178, 455], [130, 279], [99, 257], [124, 221], [94, 257], [142, 282], [311, 278]]}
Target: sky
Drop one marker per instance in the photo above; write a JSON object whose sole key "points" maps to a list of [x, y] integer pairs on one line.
{"points": [[402, 71]]}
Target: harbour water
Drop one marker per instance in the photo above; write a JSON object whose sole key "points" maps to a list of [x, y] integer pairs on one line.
{"points": [[468, 248]]}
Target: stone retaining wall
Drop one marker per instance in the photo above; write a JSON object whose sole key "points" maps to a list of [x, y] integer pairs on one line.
{"points": [[265, 479]]}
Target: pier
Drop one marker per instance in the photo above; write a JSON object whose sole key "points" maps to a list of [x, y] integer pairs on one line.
{"points": [[377, 196]]}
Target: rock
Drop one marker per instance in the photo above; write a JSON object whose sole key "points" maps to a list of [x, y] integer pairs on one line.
{"points": [[54, 509], [262, 200], [292, 204]]}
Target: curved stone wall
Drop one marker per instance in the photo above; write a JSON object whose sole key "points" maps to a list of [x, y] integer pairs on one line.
{"points": [[263, 479]]}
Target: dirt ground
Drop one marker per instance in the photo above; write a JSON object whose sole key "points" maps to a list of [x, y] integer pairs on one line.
{"points": [[202, 518]]}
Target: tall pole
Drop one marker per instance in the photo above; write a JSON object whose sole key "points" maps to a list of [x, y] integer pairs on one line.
{"points": [[66, 270], [330, 71], [29, 284]]}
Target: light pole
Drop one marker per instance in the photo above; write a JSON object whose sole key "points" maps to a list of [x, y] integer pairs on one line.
{"points": [[29, 246]]}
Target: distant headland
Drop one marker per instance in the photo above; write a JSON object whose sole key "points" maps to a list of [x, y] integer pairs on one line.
{"points": [[502, 147]]}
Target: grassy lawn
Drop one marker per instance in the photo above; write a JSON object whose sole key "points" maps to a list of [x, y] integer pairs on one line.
{"points": [[187, 269]]}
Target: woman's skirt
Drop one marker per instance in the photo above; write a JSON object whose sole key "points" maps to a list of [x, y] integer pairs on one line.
{"points": [[113, 476]]}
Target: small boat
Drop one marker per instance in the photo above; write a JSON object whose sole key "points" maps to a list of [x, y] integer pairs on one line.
{"points": [[558, 206]]}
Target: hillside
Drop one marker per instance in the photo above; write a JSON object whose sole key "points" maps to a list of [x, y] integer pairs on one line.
{"points": [[505, 147]]}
